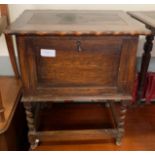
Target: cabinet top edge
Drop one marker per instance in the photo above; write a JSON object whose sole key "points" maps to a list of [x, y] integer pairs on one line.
{"points": [[79, 22]]}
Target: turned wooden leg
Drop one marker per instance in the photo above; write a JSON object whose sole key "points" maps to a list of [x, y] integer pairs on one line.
{"points": [[31, 124], [29, 116], [121, 122], [145, 64], [34, 143]]}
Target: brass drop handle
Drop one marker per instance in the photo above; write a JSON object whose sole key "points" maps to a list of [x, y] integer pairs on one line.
{"points": [[78, 44]]}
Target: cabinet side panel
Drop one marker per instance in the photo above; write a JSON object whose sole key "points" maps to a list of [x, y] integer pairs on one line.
{"points": [[127, 68], [23, 57]]}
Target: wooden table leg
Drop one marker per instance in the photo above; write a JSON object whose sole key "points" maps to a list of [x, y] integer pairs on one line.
{"points": [[31, 125], [121, 122], [144, 65], [11, 51]]}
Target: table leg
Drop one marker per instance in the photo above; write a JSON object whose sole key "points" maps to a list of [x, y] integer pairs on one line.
{"points": [[145, 64], [31, 125], [9, 42], [121, 122]]}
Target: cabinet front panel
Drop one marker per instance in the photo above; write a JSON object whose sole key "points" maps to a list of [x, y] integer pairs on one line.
{"points": [[76, 61], [77, 67]]}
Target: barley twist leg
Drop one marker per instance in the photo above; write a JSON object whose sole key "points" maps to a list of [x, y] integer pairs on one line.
{"points": [[121, 123], [31, 125]]}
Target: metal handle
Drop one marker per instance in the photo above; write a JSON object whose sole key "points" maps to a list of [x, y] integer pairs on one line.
{"points": [[78, 44]]}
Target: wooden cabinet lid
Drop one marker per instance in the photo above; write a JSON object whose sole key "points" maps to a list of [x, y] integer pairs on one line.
{"points": [[60, 22], [147, 17]]}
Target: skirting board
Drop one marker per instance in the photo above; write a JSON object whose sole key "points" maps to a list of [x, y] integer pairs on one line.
{"points": [[6, 69]]}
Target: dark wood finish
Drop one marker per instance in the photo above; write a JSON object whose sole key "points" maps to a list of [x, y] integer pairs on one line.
{"points": [[139, 135], [66, 125], [15, 137], [71, 134], [75, 116], [29, 116], [4, 21], [121, 122], [95, 60], [80, 22], [148, 18], [74, 135], [84, 68], [13, 129], [11, 90], [77, 70], [145, 65], [11, 114]]}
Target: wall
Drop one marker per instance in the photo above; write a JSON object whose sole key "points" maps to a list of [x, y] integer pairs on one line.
{"points": [[15, 10]]}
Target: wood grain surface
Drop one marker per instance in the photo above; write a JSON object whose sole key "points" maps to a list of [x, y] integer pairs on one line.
{"points": [[60, 22], [104, 69], [10, 88], [139, 134]]}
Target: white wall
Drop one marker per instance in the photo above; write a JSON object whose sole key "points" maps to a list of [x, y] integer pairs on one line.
{"points": [[15, 10]]}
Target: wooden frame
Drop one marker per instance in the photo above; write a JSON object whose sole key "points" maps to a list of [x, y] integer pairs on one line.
{"points": [[30, 26], [117, 132], [33, 93], [3, 24], [4, 21]]}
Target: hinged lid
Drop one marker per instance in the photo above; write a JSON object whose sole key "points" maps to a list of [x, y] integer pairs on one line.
{"points": [[60, 22]]}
